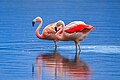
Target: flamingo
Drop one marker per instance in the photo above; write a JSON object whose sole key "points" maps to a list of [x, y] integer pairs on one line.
{"points": [[48, 32], [75, 31]]}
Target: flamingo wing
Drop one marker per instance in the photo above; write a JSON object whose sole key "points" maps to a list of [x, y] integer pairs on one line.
{"points": [[77, 28]]}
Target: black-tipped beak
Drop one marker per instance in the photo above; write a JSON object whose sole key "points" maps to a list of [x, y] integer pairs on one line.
{"points": [[33, 23], [56, 29]]}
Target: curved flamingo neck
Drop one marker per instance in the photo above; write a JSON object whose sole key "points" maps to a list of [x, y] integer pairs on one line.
{"points": [[38, 29], [59, 34]]}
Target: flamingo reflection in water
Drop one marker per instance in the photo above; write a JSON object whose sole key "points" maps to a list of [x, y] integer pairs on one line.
{"points": [[61, 67]]}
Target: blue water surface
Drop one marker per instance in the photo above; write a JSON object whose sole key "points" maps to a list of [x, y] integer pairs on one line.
{"points": [[25, 57]]}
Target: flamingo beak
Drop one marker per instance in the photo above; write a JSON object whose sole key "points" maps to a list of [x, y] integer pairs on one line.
{"points": [[33, 23], [56, 29]]}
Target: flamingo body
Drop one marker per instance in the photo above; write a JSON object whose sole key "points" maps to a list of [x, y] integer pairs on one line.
{"points": [[48, 32], [75, 31], [77, 28]]}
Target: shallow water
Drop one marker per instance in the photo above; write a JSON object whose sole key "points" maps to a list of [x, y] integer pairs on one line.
{"points": [[25, 57]]}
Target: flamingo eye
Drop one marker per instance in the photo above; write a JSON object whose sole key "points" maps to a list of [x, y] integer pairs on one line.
{"points": [[56, 29]]}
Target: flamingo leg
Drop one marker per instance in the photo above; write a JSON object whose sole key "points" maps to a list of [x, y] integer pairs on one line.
{"points": [[56, 45], [55, 41], [79, 47], [78, 50], [76, 47]]}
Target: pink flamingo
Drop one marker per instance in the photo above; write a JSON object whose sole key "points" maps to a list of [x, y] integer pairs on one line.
{"points": [[75, 31], [48, 32]]}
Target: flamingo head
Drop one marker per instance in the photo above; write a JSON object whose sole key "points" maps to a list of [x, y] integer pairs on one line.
{"points": [[59, 25], [37, 19]]}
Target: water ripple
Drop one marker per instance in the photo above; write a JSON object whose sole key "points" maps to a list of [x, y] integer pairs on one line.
{"points": [[95, 48]]}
